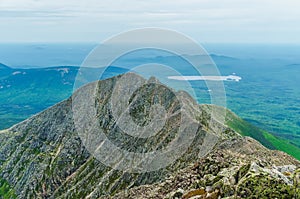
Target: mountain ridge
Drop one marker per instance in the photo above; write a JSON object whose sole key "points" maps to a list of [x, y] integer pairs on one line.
{"points": [[44, 157]]}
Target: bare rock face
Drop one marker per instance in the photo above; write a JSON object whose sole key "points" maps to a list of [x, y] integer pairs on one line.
{"points": [[47, 157]]}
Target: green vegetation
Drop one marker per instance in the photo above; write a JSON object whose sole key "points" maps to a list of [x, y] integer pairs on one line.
{"points": [[244, 128], [25, 92], [283, 145], [267, 139], [6, 191], [263, 186]]}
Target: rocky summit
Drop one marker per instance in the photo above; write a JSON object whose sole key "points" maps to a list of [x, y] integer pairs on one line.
{"points": [[47, 156]]}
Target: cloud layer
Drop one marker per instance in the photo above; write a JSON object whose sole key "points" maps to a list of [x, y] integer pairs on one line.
{"points": [[204, 20]]}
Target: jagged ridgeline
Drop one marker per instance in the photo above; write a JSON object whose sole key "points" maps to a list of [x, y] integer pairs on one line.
{"points": [[44, 156]]}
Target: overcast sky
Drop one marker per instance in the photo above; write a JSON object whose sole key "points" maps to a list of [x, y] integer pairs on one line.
{"points": [[276, 21]]}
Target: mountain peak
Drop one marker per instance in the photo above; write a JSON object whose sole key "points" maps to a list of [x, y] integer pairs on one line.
{"points": [[57, 153]]}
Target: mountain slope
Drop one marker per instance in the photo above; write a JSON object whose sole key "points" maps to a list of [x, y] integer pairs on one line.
{"points": [[237, 168], [4, 70], [3, 67], [44, 156], [267, 139]]}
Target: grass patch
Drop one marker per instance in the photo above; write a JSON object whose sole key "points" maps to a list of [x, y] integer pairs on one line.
{"points": [[267, 139], [244, 128], [283, 145], [6, 191]]}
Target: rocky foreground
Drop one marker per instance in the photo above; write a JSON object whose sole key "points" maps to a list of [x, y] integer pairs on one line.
{"points": [[44, 156], [237, 168]]}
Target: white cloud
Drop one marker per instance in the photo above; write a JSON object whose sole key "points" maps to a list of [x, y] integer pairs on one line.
{"points": [[214, 20]]}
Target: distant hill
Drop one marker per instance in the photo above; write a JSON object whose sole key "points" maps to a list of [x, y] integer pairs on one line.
{"points": [[24, 92], [293, 65], [4, 71], [222, 57], [4, 67]]}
